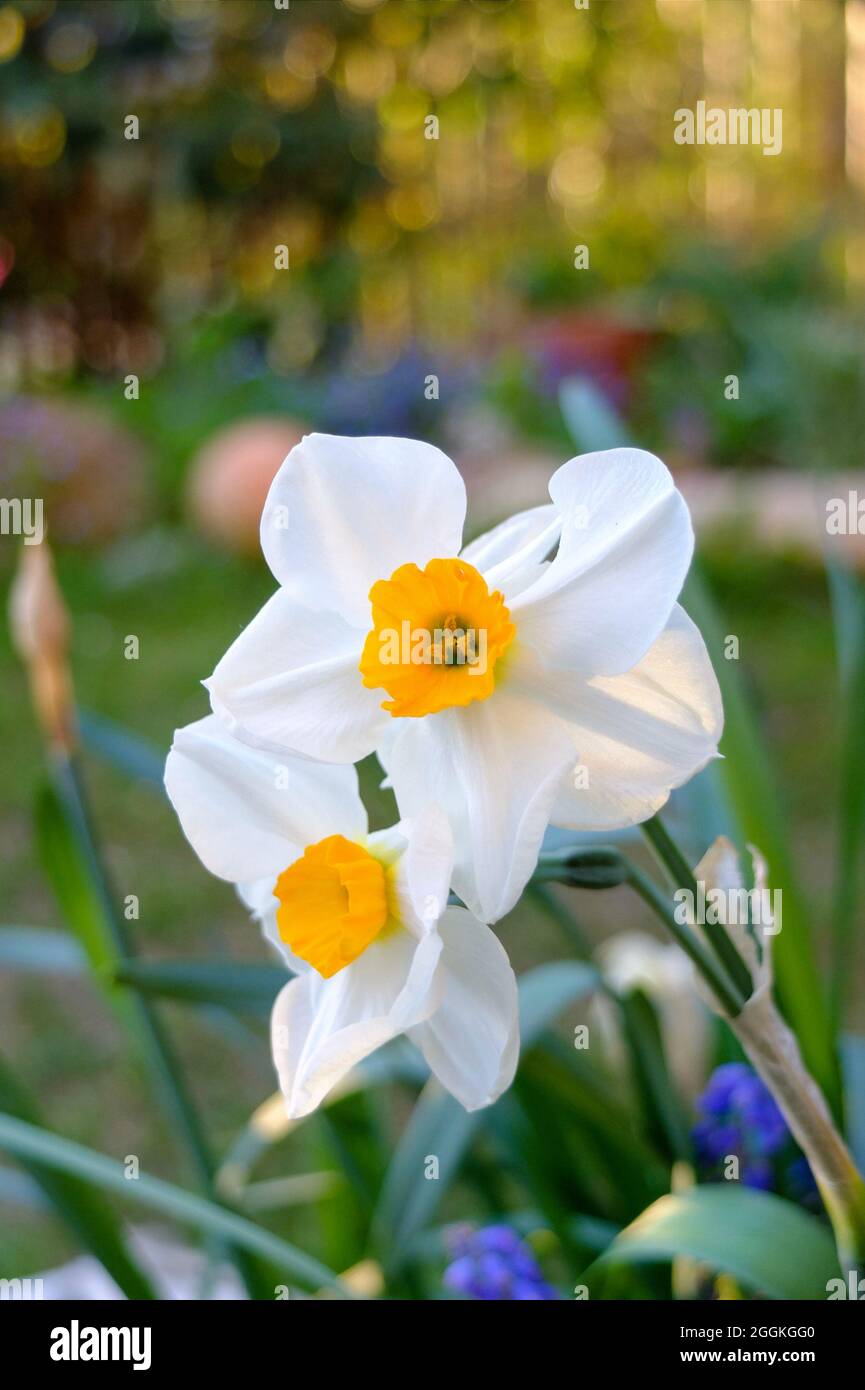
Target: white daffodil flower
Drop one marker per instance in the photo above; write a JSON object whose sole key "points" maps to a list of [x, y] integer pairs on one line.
{"points": [[510, 688], [363, 919]]}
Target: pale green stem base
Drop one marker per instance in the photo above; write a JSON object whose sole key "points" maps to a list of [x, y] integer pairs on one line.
{"points": [[772, 1048]]}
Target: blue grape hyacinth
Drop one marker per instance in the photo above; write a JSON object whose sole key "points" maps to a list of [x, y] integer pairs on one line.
{"points": [[739, 1115], [495, 1264]]}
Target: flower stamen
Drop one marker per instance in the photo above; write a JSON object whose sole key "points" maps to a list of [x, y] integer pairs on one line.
{"points": [[333, 902], [436, 637]]}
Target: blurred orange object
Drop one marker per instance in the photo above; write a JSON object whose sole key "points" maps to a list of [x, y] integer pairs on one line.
{"points": [[230, 476]]}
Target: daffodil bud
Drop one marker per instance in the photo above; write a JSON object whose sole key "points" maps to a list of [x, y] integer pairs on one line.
{"points": [[589, 867], [751, 917], [40, 629]]}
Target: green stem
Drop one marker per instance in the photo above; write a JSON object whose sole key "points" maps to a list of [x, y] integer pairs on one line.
{"points": [[154, 1043], [773, 1050], [725, 991], [156, 1048], [561, 915], [681, 876]]}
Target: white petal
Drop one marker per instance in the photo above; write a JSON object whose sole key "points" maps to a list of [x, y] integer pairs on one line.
{"points": [[249, 814], [472, 1041], [494, 767], [320, 1028], [511, 555], [291, 680], [638, 735], [259, 897], [423, 873], [625, 549], [342, 513]]}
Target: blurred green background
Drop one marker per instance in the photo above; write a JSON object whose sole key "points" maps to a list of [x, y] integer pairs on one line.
{"points": [[142, 317]]}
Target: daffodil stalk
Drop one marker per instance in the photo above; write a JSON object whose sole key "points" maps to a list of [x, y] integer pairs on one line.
{"points": [[679, 872], [772, 1048], [744, 999], [737, 984]]}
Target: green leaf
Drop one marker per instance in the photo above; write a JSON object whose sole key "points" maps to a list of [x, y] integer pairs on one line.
{"points": [[126, 751], [853, 1064], [591, 422], [77, 1204], [42, 950], [766, 1243], [547, 990], [749, 785], [665, 1119], [848, 609], [757, 806], [39, 1145], [68, 858], [71, 860], [439, 1125], [21, 1191], [269, 1123], [73, 863], [228, 984], [300, 1189], [602, 1154]]}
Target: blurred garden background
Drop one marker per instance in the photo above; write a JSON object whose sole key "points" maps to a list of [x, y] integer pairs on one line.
{"points": [[157, 362]]}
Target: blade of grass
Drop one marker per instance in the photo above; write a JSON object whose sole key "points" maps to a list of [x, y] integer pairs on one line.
{"points": [[848, 609], [751, 787], [42, 950], [50, 1150], [126, 751], [74, 868], [440, 1126], [616, 1167], [666, 1122], [73, 863], [75, 1200], [227, 984]]}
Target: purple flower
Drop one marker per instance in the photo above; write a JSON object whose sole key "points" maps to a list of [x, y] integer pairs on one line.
{"points": [[494, 1264], [739, 1116]]}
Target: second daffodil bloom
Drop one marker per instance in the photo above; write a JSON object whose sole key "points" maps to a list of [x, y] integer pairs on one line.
{"points": [[544, 673], [362, 918]]}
